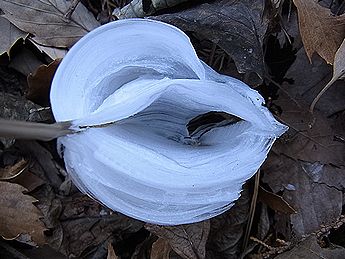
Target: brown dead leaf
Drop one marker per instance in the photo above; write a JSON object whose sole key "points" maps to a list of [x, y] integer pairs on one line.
{"points": [[13, 103], [12, 171], [51, 52], [18, 215], [301, 155], [290, 30], [310, 248], [10, 34], [50, 206], [46, 20], [321, 31], [19, 174], [306, 165], [338, 72], [305, 80], [275, 201], [25, 62], [160, 249], [313, 189], [339, 63], [311, 137], [238, 27], [39, 83], [28, 180], [87, 224], [264, 224], [111, 252], [227, 229], [140, 8], [187, 241], [43, 162]]}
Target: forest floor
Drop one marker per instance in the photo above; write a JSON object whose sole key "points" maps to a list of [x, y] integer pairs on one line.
{"points": [[288, 50]]}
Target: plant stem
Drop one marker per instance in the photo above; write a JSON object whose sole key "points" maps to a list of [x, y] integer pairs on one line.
{"points": [[33, 130]]}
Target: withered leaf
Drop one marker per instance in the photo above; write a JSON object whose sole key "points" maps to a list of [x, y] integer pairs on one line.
{"points": [[44, 161], [25, 62], [264, 223], [87, 224], [160, 249], [51, 208], [275, 201], [12, 171], [305, 80], [308, 187], [28, 180], [39, 83], [142, 8], [14, 105], [18, 214], [187, 240], [52, 52], [19, 173], [277, 3], [338, 72], [227, 229], [46, 20], [306, 165], [10, 34], [310, 248], [321, 31], [238, 27], [290, 29], [339, 62], [311, 137], [111, 252]]}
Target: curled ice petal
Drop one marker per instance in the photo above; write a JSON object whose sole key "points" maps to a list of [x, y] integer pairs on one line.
{"points": [[136, 85]]}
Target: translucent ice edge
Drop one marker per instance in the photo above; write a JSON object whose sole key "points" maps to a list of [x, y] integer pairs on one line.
{"points": [[134, 85]]}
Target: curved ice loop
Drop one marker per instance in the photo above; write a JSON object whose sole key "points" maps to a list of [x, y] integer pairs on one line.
{"points": [[115, 54], [136, 155]]}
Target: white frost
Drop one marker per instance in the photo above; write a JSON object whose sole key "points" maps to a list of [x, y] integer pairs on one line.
{"points": [[144, 78]]}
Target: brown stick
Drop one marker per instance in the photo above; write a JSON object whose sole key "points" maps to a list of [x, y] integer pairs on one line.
{"points": [[33, 130]]}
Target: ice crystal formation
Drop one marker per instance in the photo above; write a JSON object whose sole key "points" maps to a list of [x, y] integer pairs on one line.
{"points": [[136, 90]]}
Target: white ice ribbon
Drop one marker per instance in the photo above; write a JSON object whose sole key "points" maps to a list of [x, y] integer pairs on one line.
{"points": [[143, 83]]}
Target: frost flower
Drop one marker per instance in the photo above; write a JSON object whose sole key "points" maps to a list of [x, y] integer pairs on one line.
{"points": [[135, 89]]}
